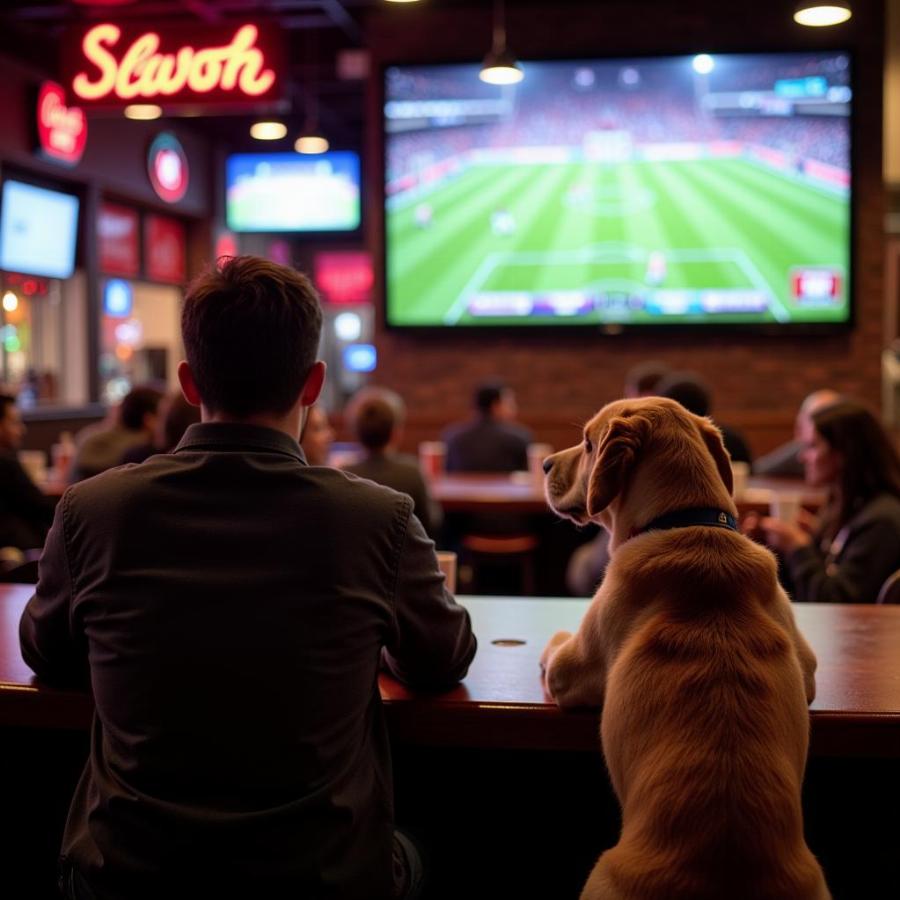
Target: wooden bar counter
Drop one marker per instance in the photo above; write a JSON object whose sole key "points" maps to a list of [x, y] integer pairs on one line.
{"points": [[500, 705]]}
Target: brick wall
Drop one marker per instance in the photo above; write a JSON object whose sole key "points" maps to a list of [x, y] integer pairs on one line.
{"points": [[759, 381]]}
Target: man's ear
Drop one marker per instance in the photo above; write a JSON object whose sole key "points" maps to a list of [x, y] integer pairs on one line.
{"points": [[188, 385], [712, 437], [312, 387], [616, 456]]}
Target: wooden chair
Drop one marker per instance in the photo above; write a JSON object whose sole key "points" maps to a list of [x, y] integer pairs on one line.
{"points": [[482, 551], [890, 590]]}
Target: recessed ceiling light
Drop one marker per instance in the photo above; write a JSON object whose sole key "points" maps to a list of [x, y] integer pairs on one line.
{"points": [[268, 131], [143, 111]]}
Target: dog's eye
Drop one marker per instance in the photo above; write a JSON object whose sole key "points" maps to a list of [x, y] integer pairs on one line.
{"points": [[588, 446]]}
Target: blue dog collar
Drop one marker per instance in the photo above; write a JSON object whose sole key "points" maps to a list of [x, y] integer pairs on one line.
{"points": [[687, 518]]}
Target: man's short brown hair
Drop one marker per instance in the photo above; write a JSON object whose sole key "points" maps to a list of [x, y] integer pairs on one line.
{"points": [[251, 334]]}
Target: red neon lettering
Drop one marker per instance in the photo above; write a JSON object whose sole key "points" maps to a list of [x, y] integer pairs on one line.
{"points": [[145, 73], [64, 124]]}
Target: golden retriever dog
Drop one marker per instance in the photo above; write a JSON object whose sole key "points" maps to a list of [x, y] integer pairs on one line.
{"points": [[691, 650]]}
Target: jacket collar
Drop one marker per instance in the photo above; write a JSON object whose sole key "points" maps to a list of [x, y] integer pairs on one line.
{"points": [[227, 436]]}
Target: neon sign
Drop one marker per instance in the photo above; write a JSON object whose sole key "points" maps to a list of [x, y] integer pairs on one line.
{"points": [[112, 67], [62, 130]]}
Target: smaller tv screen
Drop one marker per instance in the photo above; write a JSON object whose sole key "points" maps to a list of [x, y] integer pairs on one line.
{"points": [[291, 192], [38, 230]]}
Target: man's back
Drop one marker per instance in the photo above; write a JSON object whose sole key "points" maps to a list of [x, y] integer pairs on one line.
{"points": [[235, 602], [485, 444]]}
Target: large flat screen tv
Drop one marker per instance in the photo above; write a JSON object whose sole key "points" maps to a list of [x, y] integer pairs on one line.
{"points": [[702, 190], [38, 230], [287, 192]]}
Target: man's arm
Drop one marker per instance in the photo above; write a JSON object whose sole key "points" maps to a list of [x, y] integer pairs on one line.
{"points": [[432, 643], [51, 646]]}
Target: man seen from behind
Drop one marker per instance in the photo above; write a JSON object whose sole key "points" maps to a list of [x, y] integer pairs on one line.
{"points": [[230, 605]]}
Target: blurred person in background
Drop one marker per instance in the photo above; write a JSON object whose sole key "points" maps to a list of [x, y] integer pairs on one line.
{"points": [[25, 513], [134, 423], [376, 416], [174, 417], [694, 394], [847, 553], [785, 461], [317, 437], [641, 379], [491, 441]]}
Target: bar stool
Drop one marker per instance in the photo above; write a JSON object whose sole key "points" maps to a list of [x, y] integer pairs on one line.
{"points": [[483, 552]]}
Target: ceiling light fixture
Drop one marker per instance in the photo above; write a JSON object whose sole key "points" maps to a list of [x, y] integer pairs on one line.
{"points": [[500, 66], [268, 131], [311, 143], [311, 140], [818, 15], [142, 111]]}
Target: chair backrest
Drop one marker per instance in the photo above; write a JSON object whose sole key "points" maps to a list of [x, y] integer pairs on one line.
{"points": [[890, 590], [24, 573]]}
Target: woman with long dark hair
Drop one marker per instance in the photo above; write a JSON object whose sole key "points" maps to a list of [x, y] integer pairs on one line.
{"points": [[846, 554]]}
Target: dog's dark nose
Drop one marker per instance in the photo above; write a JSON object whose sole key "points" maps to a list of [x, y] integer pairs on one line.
{"points": [[548, 464]]}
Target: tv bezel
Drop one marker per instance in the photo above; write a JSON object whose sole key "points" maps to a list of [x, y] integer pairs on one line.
{"points": [[10, 173], [317, 233], [572, 328]]}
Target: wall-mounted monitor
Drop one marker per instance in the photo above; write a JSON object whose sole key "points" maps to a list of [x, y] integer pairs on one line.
{"points": [[290, 192], [696, 190], [38, 230]]}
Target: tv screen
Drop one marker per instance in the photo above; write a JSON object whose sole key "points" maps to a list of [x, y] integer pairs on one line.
{"points": [[292, 192], [38, 230], [690, 190]]}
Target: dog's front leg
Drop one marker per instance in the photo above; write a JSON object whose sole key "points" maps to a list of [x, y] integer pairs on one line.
{"points": [[571, 675]]}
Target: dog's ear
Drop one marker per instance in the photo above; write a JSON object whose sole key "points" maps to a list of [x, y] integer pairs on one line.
{"points": [[616, 455], [712, 437]]}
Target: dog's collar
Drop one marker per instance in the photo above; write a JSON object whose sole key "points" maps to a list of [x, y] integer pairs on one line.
{"points": [[686, 518]]}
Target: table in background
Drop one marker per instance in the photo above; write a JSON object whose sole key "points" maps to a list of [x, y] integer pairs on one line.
{"points": [[520, 492]]}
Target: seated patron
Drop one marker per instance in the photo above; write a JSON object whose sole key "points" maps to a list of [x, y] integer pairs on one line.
{"points": [[491, 442], [25, 513], [133, 425], [317, 437], [230, 606], [642, 379], [376, 416], [693, 393], [175, 416], [846, 554], [785, 461]]}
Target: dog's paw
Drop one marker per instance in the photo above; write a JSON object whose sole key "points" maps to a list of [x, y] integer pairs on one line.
{"points": [[553, 645]]}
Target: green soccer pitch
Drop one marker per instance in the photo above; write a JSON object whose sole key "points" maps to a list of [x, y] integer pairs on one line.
{"points": [[721, 224]]}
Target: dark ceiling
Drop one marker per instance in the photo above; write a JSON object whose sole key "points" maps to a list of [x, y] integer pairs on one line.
{"points": [[318, 31]]}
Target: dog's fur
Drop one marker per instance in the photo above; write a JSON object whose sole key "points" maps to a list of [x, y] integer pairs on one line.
{"points": [[691, 649]]}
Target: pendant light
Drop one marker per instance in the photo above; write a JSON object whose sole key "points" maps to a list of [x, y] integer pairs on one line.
{"points": [[311, 140], [500, 66]]}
